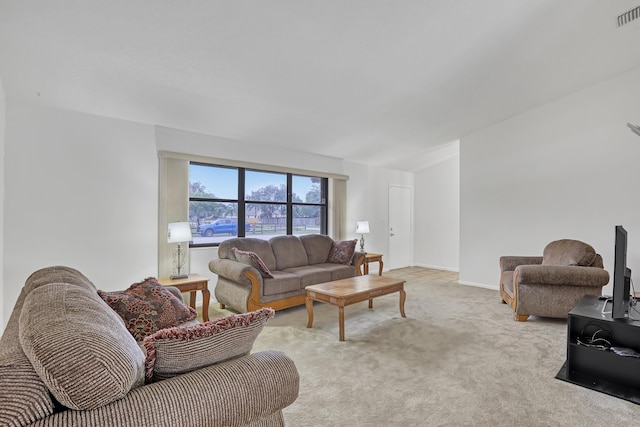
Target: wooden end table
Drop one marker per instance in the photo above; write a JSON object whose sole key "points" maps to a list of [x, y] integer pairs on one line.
{"points": [[350, 291], [372, 258], [192, 284]]}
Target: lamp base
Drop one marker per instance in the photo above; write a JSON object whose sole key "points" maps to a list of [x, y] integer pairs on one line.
{"points": [[179, 276]]}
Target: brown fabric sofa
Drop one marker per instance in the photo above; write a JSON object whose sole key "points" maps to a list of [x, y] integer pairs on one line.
{"points": [[551, 284], [294, 261], [66, 359]]}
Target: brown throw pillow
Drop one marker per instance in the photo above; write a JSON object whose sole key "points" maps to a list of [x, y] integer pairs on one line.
{"points": [[252, 259], [147, 307], [342, 252], [182, 349]]}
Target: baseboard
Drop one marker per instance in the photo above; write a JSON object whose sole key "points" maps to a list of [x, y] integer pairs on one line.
{"points": [[478, 285], [436, 267]]}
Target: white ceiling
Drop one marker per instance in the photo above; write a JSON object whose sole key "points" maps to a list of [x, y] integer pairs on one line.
{"points": [[371, 81]]}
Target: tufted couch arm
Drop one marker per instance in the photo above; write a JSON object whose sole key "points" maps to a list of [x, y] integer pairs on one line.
{"points": [[249, 390]]}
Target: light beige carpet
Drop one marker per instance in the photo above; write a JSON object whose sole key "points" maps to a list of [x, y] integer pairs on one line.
{"points": [[458, 359]]}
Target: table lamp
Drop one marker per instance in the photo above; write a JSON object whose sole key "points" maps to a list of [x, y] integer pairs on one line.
{"points": [[179, 232], [362, 228]]}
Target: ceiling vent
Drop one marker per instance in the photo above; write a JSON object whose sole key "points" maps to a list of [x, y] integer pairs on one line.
{"points": [[629, 16]]}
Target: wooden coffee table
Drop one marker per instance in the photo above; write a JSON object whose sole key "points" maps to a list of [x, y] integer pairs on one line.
{"points": [[350, 291]]}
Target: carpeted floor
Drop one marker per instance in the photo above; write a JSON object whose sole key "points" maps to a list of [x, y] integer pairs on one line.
{"points": [[458, 359]]}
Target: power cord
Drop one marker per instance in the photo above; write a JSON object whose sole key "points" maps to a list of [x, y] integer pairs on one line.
{"points": [[596, 339]]}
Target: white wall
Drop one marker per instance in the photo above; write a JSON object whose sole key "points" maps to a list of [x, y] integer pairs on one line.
{"points": [[437, 212], [568, 169], [81, 191], [3, 296], [368, 199]]}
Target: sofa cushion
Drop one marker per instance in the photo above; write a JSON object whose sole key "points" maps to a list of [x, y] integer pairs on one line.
{"points": [[317, 247], [597, 262], [310, 275], [342, 251], [282, 282], [339, 271], [289, 252], [568, 252], [252, 259], [79, 346], [147, 306], [178, 350], [261, 247]]}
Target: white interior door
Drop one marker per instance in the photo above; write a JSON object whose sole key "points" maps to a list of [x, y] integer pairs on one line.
{"points": [[400, 226]]}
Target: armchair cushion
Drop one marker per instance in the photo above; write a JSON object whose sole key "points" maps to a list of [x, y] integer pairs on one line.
{"points": [[179, 350], [147, 307], [60, 323], [568, 252]]}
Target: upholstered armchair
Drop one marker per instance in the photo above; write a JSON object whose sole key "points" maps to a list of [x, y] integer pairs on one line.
{"points": [[551, 284]]}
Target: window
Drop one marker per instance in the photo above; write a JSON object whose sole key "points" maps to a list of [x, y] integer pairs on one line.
{"points": [[226, 202]]}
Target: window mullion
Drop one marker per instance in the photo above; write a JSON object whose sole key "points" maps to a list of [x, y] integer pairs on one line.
{"points": [[289, 204], [241, 204]]}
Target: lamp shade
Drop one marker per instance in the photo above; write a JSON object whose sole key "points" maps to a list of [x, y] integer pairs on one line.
{"points": [[362, 227], [179, 232]]}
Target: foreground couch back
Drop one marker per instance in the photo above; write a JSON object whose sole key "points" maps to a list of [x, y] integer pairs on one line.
{"points": [[66, 358], [287, 265]]}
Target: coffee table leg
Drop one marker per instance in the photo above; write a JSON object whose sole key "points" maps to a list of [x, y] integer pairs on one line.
{"points": [[309, 304], [371, 303], [403, 297], [341, 322]]}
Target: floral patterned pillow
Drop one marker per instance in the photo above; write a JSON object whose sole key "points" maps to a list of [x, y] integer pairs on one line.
{"points": [[342, 251], [147, 307]]}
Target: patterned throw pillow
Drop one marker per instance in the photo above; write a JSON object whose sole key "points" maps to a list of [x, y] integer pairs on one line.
{"points": [[147, 307], [342, 251], [182, 349], [252, 259]]}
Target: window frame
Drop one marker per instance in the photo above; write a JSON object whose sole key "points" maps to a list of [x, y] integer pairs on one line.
{"points": [[242, 202]]}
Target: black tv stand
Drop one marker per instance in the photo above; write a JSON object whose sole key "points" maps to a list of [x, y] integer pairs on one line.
{"points": [[602, 369]]}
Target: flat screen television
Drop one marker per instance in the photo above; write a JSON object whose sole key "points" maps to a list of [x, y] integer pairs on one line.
{"points": [[621, 277]]}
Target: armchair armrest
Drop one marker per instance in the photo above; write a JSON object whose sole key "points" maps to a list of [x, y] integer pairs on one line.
{"points": [[235, 392], [509, 263], [561, 275]]}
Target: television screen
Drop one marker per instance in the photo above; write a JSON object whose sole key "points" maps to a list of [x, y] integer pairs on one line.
{"points": [[621, 277]]}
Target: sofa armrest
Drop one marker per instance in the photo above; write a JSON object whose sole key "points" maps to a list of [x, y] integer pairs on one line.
{"points": [[236, 392], [561, 275], [509, 263], [357, 261], [234, 271]]}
